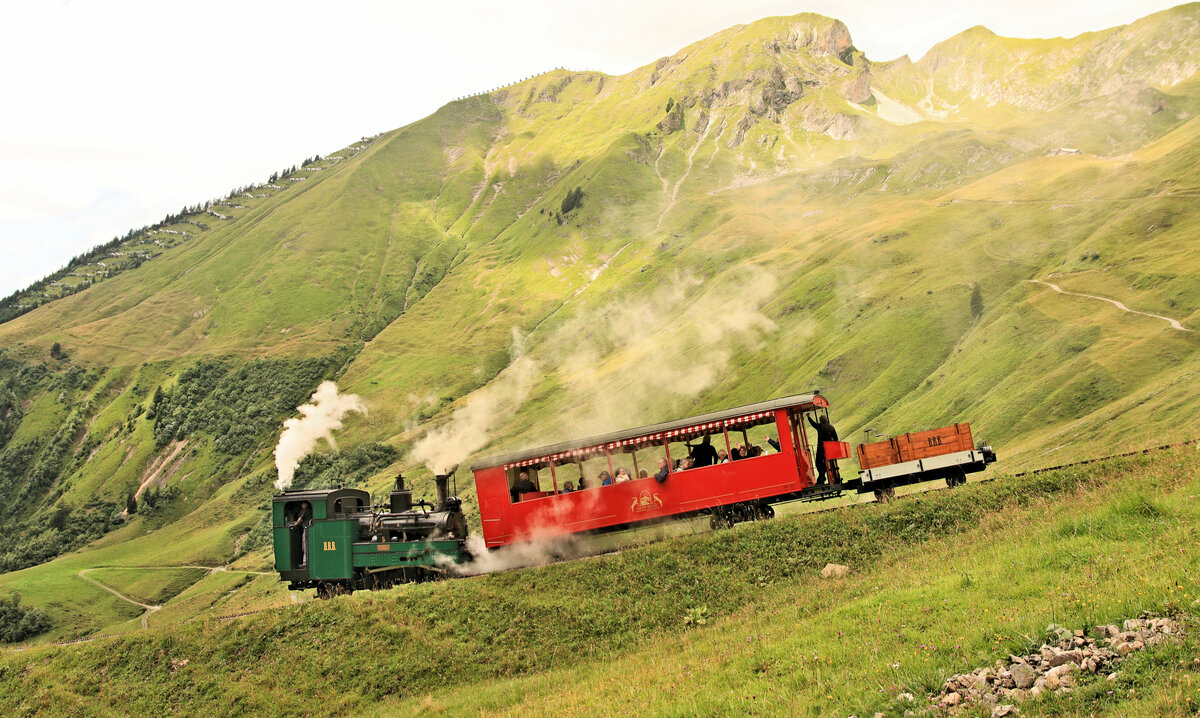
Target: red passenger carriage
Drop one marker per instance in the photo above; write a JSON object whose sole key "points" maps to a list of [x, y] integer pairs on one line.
{"points": [[738, 490], [744, 488]]}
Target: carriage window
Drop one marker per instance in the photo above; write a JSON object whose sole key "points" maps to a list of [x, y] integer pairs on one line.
{"points": [[514, 474], [589, 472]]}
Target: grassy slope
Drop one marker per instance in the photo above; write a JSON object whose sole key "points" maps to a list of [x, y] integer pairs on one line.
{"points": [[908, 621], [605, 634], [437, 239]]}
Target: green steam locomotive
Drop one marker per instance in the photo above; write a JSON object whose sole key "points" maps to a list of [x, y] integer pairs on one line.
{"points": [[335, 541]]}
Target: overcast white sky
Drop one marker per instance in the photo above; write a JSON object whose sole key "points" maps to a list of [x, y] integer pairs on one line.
{"points": [[117, 112]]}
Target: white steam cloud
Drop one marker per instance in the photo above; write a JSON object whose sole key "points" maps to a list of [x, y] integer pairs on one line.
{"points": [[519, 555], [469, 426], [638, 359], [623, 363], [320, 419], [620, 364]]}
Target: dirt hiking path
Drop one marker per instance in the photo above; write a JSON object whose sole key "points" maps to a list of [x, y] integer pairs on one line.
{"points": [[1173, 322]]}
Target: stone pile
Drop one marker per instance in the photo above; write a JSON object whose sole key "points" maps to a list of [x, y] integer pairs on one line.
{"points": [[1057, 665]]}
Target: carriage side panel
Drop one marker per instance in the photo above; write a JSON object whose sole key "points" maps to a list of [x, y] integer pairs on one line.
{"points": [[639, 500], [491, 486]]}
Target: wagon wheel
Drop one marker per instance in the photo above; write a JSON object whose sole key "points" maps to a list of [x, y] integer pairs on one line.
{"points": [[721, 519], [957, 479], [885, 495]]}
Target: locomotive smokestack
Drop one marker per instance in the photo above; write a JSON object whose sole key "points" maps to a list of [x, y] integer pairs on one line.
{"points": [[443, 490]]}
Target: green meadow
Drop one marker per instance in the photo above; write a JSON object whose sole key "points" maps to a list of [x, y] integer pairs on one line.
{"points": [[736, 621]]}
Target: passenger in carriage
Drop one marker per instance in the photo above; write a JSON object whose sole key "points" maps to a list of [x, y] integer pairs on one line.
{"points": [[567, 488], [704, 454], [643, 474], [664, 470], [774, 444], [622, 476], [722, 457], [522, 486], [605, 479], [756, 450]]}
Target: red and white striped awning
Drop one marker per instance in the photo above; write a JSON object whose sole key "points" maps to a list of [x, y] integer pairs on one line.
{"points": [[640, 441], [719, 425]]}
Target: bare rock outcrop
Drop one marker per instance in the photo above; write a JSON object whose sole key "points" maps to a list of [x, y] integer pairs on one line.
{"points": [[835, 570]]}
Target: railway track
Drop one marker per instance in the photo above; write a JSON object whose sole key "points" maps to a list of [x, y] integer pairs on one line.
{"points": [[615, 550]]}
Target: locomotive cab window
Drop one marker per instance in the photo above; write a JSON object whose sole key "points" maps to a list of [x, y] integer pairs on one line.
{"points": [[293, 510], [347, 505]]}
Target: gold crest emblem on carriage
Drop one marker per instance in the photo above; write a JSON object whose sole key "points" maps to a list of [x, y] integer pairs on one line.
{"points": [[646, 501]]}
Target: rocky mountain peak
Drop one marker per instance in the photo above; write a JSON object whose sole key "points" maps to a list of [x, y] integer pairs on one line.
{"points": [[825, 36]]}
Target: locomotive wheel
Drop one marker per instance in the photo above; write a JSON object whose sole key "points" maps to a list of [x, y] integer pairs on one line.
{"points": [[765, 512], [328, 589], [885, 495]]}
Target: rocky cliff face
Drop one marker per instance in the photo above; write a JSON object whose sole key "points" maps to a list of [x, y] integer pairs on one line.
{"points": [[1159, 51]]}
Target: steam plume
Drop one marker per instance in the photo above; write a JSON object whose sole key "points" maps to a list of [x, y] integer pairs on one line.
{"points": [[321, 418], [468, 428], [520, 555], [637, 359]]}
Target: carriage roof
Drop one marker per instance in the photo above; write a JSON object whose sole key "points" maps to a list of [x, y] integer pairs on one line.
{"points": [[679, 429]]}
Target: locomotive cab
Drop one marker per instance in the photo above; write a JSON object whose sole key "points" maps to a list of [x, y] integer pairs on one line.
{"points": [[313, 546]]}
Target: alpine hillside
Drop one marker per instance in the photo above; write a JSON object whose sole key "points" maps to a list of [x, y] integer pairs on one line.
{"points": [[1003, 231]]}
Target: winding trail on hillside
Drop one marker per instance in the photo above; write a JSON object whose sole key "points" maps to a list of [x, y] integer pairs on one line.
{"points": [[1173, 322], [149, 608]]}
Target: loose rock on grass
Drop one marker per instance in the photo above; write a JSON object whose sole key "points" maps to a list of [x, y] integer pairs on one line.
{"points": [[1055, 667], [835, 570]]}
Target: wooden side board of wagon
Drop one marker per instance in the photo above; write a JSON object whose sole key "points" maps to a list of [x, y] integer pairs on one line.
{"points": [[946, 453]]}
